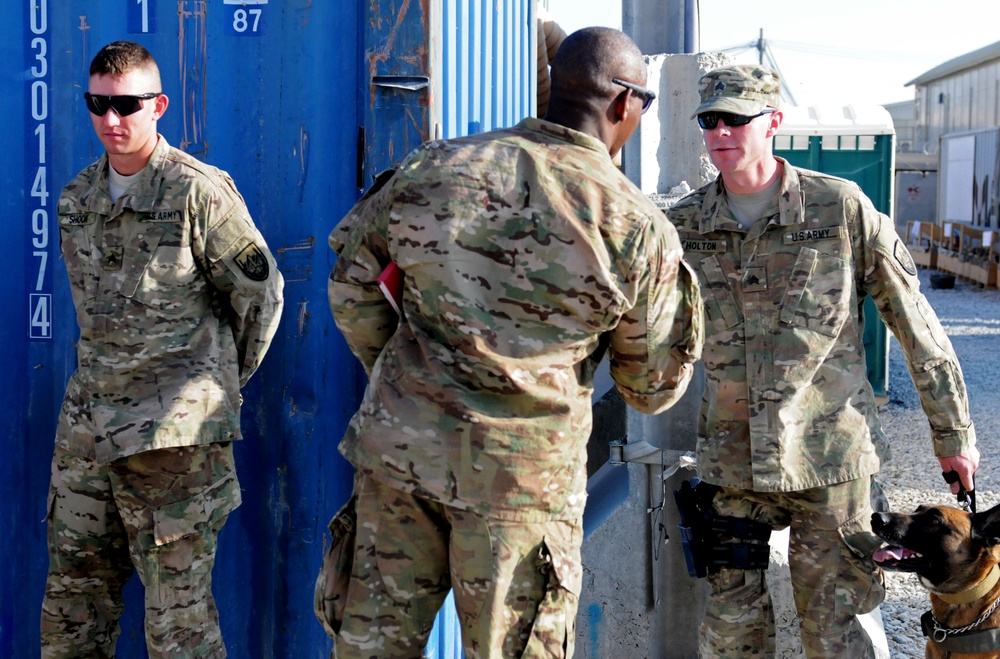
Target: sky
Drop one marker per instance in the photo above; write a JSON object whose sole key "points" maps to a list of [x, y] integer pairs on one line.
{"points": [[858, 52]]}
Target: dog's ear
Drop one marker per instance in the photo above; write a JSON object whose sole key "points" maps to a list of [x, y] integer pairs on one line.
{"points": [[986, 526]]}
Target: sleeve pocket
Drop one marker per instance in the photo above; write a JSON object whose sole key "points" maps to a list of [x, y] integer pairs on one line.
{"points": [[818, 293]]}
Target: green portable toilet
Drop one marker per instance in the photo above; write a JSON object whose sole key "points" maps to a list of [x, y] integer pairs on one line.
{"points": [[856, 143]]}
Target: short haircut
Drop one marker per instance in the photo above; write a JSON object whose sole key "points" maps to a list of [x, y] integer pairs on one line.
{"points": [[589, 58], [121, 57]]}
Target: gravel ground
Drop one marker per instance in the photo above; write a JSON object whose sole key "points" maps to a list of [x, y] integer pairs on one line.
{"points": [[970, 315]]}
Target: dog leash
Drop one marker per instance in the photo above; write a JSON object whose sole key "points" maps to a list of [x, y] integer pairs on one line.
{"points": [[966, 498]]}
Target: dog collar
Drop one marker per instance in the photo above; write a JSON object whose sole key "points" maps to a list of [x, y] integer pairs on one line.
{"points": [[960, 641], [974, 593]]}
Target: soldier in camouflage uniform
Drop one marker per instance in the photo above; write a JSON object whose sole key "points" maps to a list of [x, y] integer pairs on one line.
{"points": [[789, 426], [528, 257], [177, 299]]}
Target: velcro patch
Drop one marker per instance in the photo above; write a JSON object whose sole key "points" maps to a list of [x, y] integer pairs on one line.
{"points": [[162, 216], [812, 235], [698, 245], [112, 257], [252, 262], [903, 258], [76, 219], [755, 279]]}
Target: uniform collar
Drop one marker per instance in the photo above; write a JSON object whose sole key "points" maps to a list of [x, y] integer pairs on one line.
{"points": [[565, 134], [791, 202], [144, 193]]}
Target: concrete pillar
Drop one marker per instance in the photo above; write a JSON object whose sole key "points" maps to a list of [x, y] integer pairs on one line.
{"points": [[662, 26], [668, 148]]}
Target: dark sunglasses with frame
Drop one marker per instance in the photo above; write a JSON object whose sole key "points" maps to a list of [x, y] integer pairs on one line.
{"points": [[123, 105], [647, 95], [709, 120]]}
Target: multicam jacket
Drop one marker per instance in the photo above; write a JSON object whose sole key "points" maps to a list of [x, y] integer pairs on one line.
{"points": [[787, 404], [177, 298], [527, 255]]}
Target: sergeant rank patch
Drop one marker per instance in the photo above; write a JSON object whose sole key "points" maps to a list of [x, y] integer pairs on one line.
{"points": [[253, 263]]}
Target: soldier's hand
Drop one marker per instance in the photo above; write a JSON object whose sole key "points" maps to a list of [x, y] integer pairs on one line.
{"points": [[966, 465]]}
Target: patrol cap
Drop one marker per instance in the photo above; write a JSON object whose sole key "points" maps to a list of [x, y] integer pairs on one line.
{"points": [[741, 89]]}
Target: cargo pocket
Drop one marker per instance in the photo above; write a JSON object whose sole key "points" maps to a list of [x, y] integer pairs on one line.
{"points": [[862, 587], [334, 577], [195, 520], [553, 632], [194, 515]]}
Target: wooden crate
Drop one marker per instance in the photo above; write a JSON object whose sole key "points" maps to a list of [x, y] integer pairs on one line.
{"points": [[977, 249], [922, 240], [948, 253]]}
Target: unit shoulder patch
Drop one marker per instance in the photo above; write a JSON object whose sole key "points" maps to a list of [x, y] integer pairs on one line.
{"points": [[252, 262], [903, 258]]}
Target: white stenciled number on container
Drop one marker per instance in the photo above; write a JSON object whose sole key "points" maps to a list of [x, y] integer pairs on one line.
{"points": [[37, 173], [141, 16], [246, 17]]}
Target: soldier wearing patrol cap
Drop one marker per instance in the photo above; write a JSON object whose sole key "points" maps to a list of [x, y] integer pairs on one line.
{"points": [[177, 298], [789, 429], [527, 257]]}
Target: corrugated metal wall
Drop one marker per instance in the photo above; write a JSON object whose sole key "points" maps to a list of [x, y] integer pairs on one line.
{"points": [[486, 56], [276, 92], [968, 100]]}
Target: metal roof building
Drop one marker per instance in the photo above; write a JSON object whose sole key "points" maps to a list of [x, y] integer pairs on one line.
{"points": [[961, 94]]}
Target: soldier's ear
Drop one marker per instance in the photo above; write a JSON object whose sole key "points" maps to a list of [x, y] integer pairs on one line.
{"points": [[619, 107], [162, 101], [775, 119]]}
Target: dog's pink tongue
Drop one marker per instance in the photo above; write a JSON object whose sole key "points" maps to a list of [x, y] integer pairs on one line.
{"points": [[887, 553]]}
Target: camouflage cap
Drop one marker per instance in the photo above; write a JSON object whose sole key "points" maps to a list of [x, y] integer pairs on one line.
{"points": [[742, 89]]}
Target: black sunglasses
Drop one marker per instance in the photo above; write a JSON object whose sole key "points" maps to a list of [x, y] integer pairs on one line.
{"points": [[709, 120], [122, 105], [647, 95]]}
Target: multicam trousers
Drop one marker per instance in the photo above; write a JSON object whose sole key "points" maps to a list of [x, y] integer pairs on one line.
{"points": [[833, 576], [158, 513], [516, 585]]}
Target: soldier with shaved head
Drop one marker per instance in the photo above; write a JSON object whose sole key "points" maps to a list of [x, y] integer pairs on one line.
{"points": [[527, 258], [177, 298]]}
